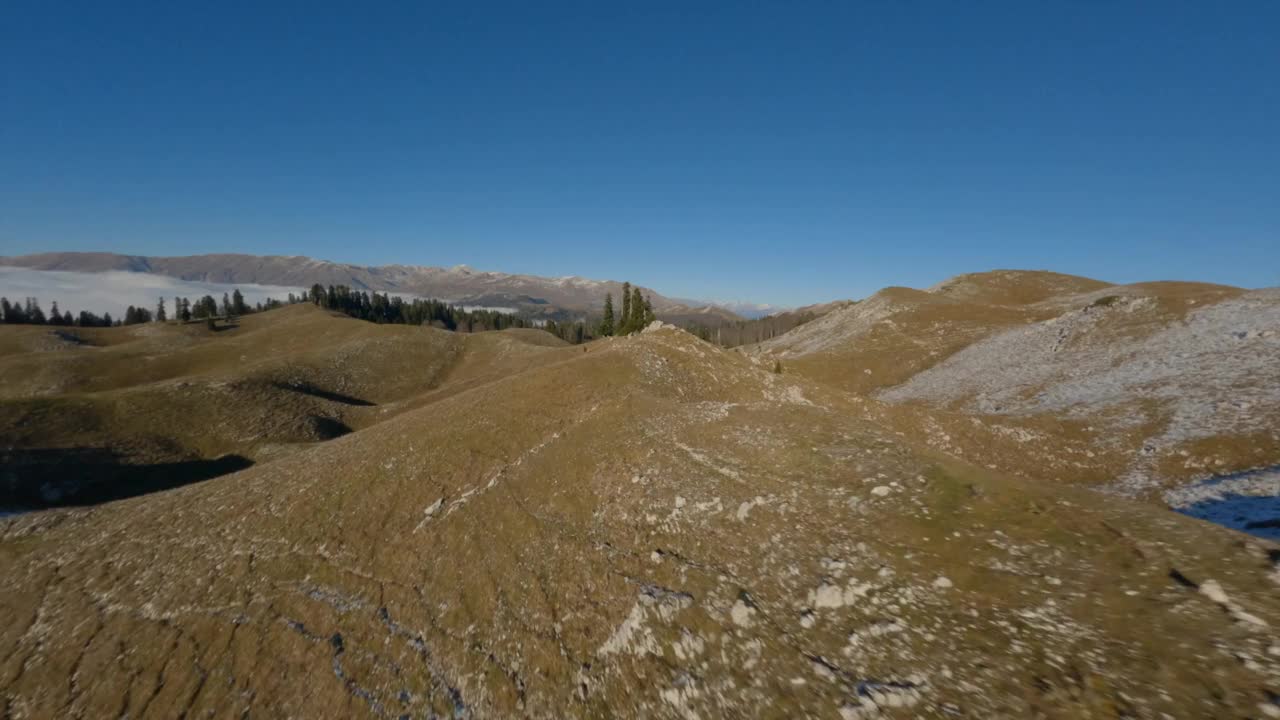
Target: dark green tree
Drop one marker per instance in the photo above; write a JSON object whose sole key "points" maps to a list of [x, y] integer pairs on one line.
{"points": [[649, 315], [237, 303], [35, 315], [636, 322], [626, 308], [161, 315], [606, 325]]}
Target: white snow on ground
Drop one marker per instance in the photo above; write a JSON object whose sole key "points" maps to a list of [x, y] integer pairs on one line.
{"points": [[1247, 501], [114, 291]]}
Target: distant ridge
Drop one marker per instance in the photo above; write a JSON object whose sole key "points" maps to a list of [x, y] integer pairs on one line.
{"points": [[553, 297]]}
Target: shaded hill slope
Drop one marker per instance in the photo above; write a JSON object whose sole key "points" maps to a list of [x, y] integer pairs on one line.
{"points": [[141, 399]]}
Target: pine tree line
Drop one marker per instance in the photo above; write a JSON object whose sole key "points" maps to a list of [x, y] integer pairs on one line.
{"points": [[29, 312], [637, 313], [374, 307], [384, 308]]}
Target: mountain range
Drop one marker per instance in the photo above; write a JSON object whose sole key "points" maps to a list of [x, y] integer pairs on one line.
{"points": [[555, 298]]}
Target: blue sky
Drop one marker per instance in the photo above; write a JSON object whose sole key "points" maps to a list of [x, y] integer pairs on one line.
{"points": [[778, 152]]}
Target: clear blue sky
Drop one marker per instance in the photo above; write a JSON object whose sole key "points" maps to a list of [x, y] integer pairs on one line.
{"points": [[779, 152]]}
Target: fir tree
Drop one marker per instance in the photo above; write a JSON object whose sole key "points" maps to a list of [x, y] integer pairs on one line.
{"points": [[55, 315], [5, 310], [226, 305], [237, 303], [161, 316], [626, 309], [35, 315], [606, 325], [16, 315], [649, 315], [636, 323]]}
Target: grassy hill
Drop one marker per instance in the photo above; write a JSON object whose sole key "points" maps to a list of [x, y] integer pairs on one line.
{"points": [[647, 526], [1059, 378]]}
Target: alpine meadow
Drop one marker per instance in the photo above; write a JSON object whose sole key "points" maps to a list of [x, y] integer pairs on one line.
{"points": [[781, 360]]}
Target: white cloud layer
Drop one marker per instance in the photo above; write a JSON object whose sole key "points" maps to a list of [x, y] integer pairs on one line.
{"points": [[114, 291]]}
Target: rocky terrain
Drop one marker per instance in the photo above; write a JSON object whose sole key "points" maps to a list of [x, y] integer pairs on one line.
{"points": [[560, 297], [1133, 388], [903, 523]]}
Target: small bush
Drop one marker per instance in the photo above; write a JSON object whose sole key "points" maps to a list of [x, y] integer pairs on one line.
{"points": [[1106, 301]]}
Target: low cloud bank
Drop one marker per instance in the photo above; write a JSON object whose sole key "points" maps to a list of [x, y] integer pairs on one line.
{"points": [[114, 291]]}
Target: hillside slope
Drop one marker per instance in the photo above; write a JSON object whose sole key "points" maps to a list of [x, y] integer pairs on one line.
{"points": [[1131, 387], [85, 409], [651, 527]]}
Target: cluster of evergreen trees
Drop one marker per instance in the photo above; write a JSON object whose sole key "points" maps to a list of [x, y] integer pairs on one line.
{"points": [[637, 313], [207, 307], [233, 304], [576, 332], [382, 308], [29, 312]]}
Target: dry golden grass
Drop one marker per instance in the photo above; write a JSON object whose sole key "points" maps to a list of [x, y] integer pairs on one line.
{"points": [[645, 527]]}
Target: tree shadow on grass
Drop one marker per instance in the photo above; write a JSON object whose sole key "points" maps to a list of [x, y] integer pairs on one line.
{"points": [[57, 477]]}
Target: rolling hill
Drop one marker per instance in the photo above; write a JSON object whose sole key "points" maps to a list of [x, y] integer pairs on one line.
{"points": [[1135, 387], [649, 526]]}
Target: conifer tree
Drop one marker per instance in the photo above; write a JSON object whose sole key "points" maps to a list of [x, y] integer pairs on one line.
{"points": [[4, 310], [55, 315], [649, 315], [606, 325], [625, 325], [15, 314], [161, 315], [636, 323], [226, 305], [237, 303], [34, 314]]}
